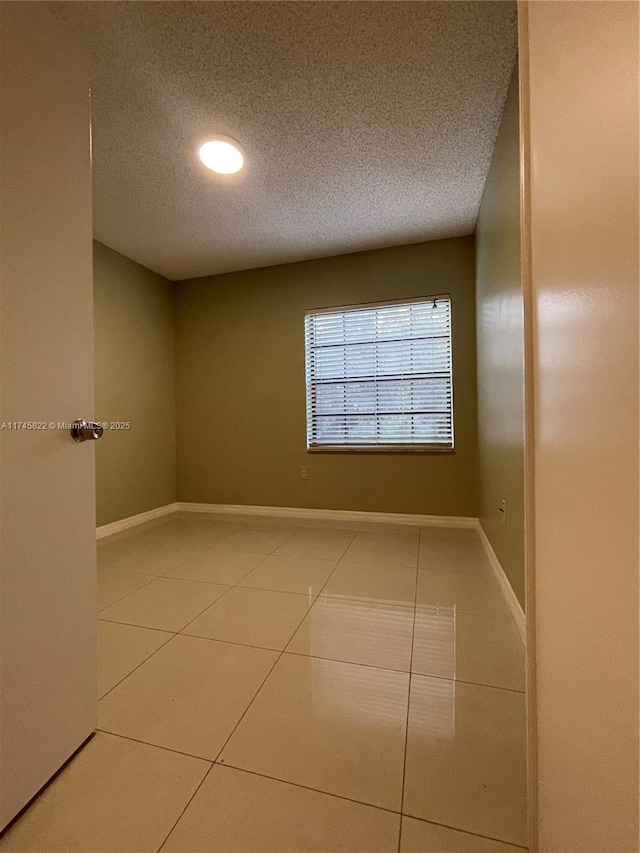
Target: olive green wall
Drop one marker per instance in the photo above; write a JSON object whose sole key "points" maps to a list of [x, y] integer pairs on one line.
{"points": [[241, 389], [499, 312], [135, 382]]}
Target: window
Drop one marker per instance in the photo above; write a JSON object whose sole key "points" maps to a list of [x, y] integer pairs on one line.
{"points": [[379, 376]]}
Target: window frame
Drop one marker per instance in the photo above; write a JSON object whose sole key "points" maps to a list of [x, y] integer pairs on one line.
{"points": [[379, 448]]}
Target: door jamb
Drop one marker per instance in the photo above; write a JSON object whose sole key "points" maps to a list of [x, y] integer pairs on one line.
{"points": [[530, 412]]}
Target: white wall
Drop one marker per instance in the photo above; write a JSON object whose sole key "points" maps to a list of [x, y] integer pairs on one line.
{"points": [[579, 63]]}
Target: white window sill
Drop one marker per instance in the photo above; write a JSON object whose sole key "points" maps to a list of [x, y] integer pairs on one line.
{"points": [[379, 448]]}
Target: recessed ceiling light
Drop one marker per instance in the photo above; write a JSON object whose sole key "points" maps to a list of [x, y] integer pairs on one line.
{"points": [[222, 154]]}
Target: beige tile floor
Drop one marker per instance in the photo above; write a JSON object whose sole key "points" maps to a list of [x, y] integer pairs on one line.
{"points": [[272, 685]]}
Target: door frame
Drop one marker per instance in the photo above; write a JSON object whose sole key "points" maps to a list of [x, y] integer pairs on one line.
{"points": [[529, 422]]}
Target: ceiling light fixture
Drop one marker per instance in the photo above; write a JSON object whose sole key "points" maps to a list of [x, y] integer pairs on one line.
{"points": [[222, 154]]}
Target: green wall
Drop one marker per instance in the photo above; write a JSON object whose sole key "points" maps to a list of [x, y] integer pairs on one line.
{"points": [[241, 390], [135, 382], [499, 312]]}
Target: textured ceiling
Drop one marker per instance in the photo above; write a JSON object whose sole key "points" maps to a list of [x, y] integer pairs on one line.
{"points": [[366, 124]]}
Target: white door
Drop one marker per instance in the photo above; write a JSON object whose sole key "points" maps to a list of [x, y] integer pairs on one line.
{"points": [[48, 694]]}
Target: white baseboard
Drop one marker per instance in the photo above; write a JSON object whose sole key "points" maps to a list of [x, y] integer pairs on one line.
{"points": [[331, 514], [134, 520], [515, 608]]}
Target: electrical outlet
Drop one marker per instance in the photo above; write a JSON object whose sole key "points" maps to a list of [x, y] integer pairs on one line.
{"points": [[503, 509], [304, 474]]}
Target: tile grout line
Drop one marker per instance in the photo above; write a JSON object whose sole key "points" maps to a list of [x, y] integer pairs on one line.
{"points": [[241, 553], [316, 597], [230, 587], [340, 559], [406, 735], [234, 586], [150, 579], [400, 814], [281, 653], [464, 831], [370, 600], [315, 601], [190, 580], [308, 788], [155, 745], [168, 576], [182, 630], [242, 716], [263, 557], [143, 627], [249, 645], [177, 821], [191, 556], [288, 651], [264, 681], [177, 633], [216, 763], [207, 548], [173, 636]]}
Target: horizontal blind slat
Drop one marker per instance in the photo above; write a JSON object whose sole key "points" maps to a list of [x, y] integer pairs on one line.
{"points": [[380, 375]]}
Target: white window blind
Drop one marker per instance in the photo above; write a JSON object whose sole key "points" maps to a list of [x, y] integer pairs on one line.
{"points": [[379, 376]]}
